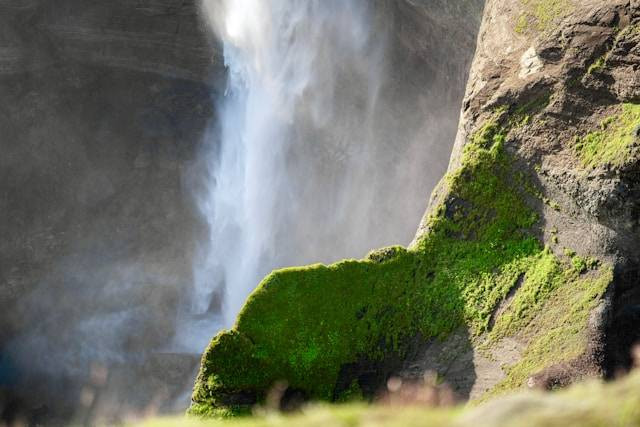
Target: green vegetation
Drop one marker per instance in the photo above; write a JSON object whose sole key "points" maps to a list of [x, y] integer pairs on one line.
{"points": [[597, 66], [558, 304], [303, 325], [590, 404], [612, 142], [541, 15]]}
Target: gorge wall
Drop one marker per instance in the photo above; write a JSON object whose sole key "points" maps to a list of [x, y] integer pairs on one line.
{"points": [[524, 270], [105, 104]]}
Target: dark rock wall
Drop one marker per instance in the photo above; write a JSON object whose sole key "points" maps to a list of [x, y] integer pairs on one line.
{"points": [[584, 59], [104, 105]]}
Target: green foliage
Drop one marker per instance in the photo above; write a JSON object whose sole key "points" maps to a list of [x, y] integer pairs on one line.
{"points": [[293, 327], [611, 143], [592, 404]]}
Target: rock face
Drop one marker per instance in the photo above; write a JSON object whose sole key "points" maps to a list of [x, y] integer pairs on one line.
{"points": [[104, 107], [576, 63], [524, 270]]}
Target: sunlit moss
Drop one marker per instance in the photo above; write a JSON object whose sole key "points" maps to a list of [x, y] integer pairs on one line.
{"points": [[612, 142], [597, 66], [541, 15], [303, 324], [557, 330]]}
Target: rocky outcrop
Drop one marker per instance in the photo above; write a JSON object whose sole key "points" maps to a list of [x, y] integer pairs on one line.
{"points": [[524, 269], [576, 61]]}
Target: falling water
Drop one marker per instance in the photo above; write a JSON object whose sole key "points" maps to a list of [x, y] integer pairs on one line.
{"points": [[286, 61], [320, 156]]}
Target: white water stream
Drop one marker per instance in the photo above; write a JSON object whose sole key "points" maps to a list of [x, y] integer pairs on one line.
{"points": [[313, 163]]}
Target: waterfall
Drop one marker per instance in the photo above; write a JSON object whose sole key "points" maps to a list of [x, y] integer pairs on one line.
{"points": [[318, 157]]}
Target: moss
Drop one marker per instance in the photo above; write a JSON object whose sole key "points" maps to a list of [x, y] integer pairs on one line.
{"points": [[558, 331], [542, 277], [554, 205], [597, 66], [522, 24], [303, 325], [541, 15], [533, 106], [612, 142]]}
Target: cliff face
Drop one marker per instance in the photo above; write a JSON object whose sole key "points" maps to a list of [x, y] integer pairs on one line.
{"points": [[572, 65], [104, 106], [524, 270], [164, 37]]}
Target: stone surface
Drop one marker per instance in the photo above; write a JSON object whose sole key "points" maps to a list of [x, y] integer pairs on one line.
{"points": [[104, 107], [593, 211]]}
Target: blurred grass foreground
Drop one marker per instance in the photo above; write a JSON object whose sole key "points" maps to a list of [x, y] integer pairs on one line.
{"points": [[589, 404]]}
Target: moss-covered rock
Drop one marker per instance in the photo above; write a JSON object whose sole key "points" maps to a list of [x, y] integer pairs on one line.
{"points": [[305, 325], [612, 143]]}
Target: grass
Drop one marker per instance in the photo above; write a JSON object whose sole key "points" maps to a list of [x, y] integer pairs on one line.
{"points": [[612, 142], [589, 404], [304, 325]]}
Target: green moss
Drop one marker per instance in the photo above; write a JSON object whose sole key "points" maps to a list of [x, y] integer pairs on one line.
{"points": [[612, 142], [534, 106], [597, 66], [522, 24], [541, 278], [579, 264], [293, 327], [558, 331], [541, 15]]}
